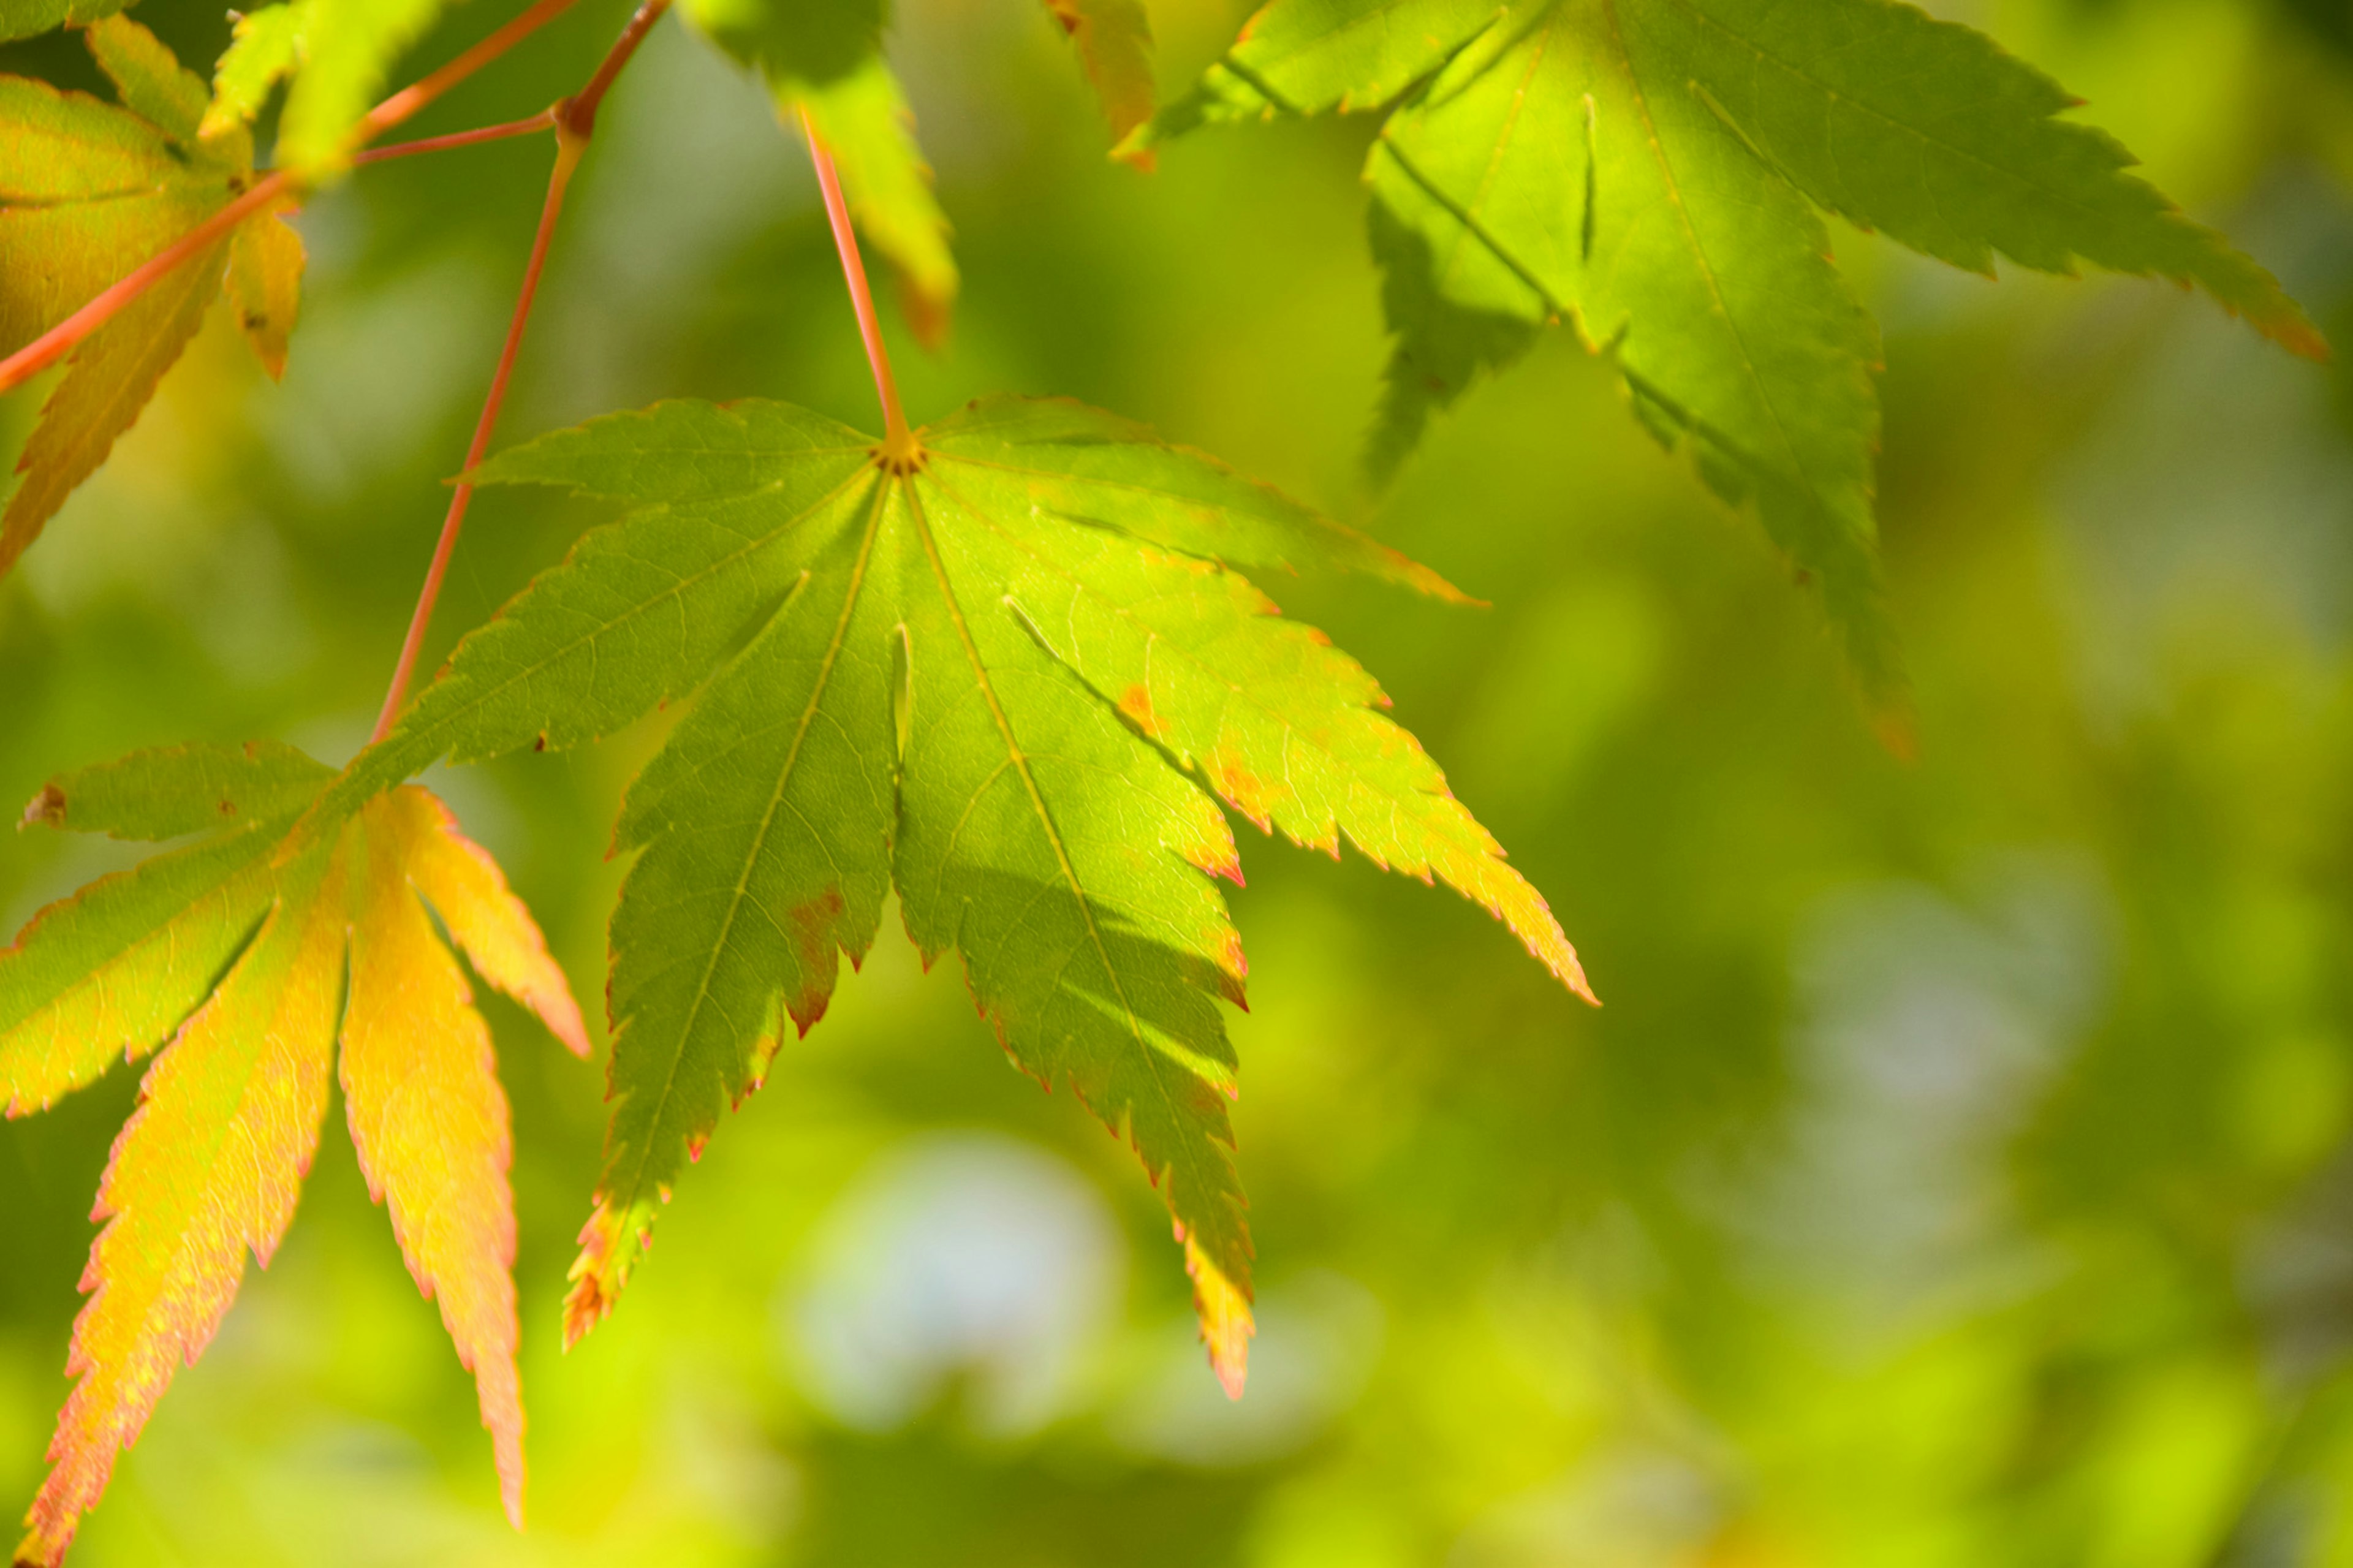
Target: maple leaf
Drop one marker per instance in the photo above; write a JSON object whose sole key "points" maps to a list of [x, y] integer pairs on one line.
{"points": [[337, 53], [1114, 40], [997, 667], [264, 48], [24, 18], [1651, 171], [231, 955], [90, 191], [825, 59]]}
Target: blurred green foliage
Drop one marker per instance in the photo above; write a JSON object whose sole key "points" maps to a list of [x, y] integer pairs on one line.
{"points": [[1959, 1173]]}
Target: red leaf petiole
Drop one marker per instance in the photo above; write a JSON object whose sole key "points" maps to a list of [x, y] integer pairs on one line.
{"points": [[898, 441], [575, 121], [543, 121]]}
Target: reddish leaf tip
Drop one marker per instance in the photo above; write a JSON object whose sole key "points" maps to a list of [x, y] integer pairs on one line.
{"points": [[588, 1302], [1224, 1311], [585, 1307], [2299, 337]]}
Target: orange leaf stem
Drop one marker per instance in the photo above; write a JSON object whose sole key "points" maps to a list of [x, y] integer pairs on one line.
{"points": [[568, 148], [543, 121], [574, 120], [401, 105], [898, 441], [579, 111]]}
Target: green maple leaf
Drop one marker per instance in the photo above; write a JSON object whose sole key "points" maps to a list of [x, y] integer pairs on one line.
{"points": [[824, 58], [338, 54], [24, 18], [89, 192], [1113, 40], [1001, 670], [347, 51], [255, 962], [264, 48], [1651, 170]]}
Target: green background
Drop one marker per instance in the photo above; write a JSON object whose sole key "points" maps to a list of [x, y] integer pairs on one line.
{"points": [[1959, 1173]]}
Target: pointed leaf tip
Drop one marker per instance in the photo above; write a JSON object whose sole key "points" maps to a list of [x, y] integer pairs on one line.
{"points": [[427, 1115], [596, 1275], [206, 1170], [1223, 1310], [470, 892]]}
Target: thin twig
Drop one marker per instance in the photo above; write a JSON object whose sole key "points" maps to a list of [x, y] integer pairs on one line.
{"points": [[574, 120], [62, 339], [401, 105], [579, 111], [898, 441], [543, 121], [568, 149]]}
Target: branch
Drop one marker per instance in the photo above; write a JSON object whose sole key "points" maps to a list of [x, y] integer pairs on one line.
{"points": [[543, 121], [405, 103], [574, 120], [568, 148]]}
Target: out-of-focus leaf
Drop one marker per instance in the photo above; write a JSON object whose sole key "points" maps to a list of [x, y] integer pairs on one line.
{"points": [[265, 284], [347, 49], [1648, 170], [89, 192], [1114, 38], [23, 18], [826, 59], [1313, 56], [338, 56], [263, 49]]}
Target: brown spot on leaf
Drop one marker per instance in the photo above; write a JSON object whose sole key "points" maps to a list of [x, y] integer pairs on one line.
{"points": [[814, 922], [48, 806]]}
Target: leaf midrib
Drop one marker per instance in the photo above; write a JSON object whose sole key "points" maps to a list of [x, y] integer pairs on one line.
{"points": [[702, 991], [1019, 761], [1625, 59], [1154, 639], [303, 912], [1907, 127]]}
